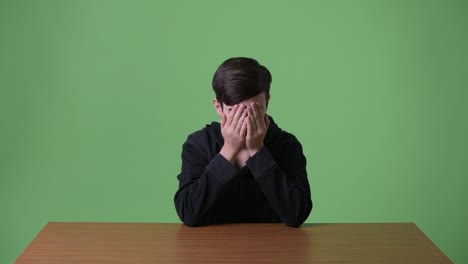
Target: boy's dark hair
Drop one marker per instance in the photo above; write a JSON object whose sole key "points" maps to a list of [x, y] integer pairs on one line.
{"points": [[238, 79]]}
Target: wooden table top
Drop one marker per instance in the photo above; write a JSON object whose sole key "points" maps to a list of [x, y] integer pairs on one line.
{"points": [[242, 243]]}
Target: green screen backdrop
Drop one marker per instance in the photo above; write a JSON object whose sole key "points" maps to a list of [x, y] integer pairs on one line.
{"points": [[97, 98]]}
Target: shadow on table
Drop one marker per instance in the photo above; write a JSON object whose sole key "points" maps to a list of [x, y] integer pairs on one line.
{"points": [[243, 243], [312, 225]]}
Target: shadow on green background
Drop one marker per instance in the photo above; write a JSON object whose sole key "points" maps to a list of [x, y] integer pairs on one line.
{"points": [[97, 97]]}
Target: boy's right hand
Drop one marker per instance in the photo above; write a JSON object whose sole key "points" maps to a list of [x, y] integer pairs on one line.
{"points": [[233, 130]]}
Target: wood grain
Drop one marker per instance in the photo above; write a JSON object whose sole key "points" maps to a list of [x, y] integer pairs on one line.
{"points": [[240, 243]]}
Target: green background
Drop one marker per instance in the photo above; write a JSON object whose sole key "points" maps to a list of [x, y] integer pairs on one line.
{"points": [[97, 97]]}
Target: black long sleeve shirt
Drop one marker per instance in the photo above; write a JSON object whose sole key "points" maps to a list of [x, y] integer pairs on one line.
{"points": [[272, 187]]}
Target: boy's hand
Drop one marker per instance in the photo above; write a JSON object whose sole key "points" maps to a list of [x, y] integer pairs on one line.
{"points": [[234, 130], [257, 127]]}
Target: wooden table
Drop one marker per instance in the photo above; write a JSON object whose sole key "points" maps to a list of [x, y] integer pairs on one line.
{"points": [[240, 243]]}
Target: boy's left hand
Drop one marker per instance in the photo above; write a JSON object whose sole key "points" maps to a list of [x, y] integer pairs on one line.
{"points": [[257, 127]]}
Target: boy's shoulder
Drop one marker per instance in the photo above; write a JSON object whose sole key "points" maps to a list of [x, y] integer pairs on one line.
{"points": [[211, 132], [277, 135]]}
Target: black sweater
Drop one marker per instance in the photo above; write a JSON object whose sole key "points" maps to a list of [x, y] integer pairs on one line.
{"points": [[272, 187]]}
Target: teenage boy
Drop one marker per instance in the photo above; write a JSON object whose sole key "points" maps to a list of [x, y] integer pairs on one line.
{"points": [[244, 169]]}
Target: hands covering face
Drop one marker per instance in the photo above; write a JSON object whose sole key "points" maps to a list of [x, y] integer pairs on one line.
{"points": [[245, 127]]}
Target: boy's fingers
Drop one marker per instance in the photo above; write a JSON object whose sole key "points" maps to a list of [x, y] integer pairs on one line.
{"points": [[243, 131], [223, 120], [231, 114], [258, 119], [239, 112], [241, 121], [255, 110], [253, 119], [256, 115], [249, 127]]}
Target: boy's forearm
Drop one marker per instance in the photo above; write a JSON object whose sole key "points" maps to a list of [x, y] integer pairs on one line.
{"points": [[290, 199]]}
